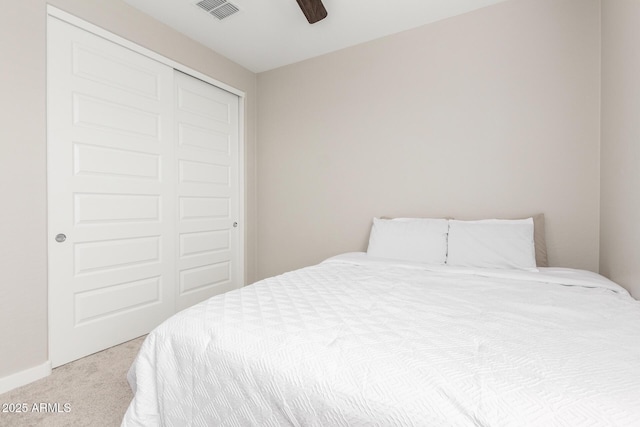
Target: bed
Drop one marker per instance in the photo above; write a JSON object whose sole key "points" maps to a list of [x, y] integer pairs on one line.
{"points": [[368, 340]]}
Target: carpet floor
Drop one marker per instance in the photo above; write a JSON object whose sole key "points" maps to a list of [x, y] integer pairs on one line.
{"points": [[92, 391]]}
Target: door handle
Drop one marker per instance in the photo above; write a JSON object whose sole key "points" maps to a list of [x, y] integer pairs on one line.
{"points": [[61, 238]]}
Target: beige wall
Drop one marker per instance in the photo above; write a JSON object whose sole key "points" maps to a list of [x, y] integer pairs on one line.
{"points": [[620, 203], [23, 251], [493, 113]]}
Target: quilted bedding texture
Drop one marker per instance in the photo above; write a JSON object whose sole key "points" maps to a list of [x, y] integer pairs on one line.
{"points": [[358, 342]]}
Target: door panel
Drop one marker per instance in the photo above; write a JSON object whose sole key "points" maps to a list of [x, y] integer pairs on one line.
{"points": [[207, 184], [111, 177]]}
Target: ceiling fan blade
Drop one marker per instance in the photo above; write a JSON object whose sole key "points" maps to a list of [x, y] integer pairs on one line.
{"points": [[313, 10]]}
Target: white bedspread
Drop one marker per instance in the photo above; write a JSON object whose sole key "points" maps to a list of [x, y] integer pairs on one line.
{"points": [[358, 342]]}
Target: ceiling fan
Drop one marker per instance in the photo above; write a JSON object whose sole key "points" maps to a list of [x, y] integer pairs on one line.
{"points": [[313, 10]]}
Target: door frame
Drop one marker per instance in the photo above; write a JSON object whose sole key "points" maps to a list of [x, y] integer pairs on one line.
{"points": [[55, 13]]}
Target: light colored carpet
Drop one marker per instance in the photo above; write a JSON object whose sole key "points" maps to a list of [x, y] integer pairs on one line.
{"points": [[94, 388]]}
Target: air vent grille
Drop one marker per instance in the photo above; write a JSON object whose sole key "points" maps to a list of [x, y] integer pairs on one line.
{"points": [[210, 4], [225, 10], [221, 9]]}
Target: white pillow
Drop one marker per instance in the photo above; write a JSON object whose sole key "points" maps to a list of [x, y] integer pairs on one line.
{"points": [[409, 239], [492, 243]]}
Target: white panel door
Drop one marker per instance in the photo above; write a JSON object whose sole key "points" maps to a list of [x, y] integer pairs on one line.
{"points": [[111, 170], [209, 260]]}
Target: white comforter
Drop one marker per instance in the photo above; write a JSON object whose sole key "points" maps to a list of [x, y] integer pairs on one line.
{"points": [[358, 342]]}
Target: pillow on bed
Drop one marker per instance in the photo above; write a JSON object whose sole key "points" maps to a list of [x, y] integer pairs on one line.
{"points": [[492, 243], [409, 239], [540, 241]]}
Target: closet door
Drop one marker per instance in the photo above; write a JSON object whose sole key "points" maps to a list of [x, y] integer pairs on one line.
{"points": [[111, 170], [207, 128]]}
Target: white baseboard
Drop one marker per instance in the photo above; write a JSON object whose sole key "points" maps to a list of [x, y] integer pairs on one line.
{"points": [[25, 377]]}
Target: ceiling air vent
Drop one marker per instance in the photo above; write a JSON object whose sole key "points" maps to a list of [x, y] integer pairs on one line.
{"points": [[219, 8]]}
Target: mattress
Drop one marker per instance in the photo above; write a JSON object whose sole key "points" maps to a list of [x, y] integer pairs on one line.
{"points": [[357, 341]]}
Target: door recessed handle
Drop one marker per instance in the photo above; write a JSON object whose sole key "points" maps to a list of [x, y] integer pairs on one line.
{"points": [[235, 224], [61, 238]]}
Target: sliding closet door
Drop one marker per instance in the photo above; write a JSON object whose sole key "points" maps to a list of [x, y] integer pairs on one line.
{"points": [[209, 260], [144, 167], [111, 193]]}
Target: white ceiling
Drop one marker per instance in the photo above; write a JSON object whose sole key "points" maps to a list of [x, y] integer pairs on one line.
{"points": [[267, 34]]}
